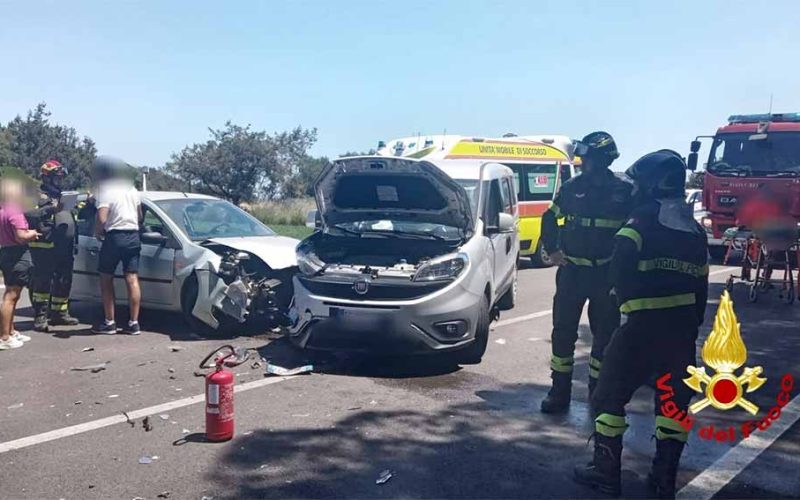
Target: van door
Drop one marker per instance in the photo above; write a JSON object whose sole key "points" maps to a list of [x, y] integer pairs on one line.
{"points": [[504, 245]]}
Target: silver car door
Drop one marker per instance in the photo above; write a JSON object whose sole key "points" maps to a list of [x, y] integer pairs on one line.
{"points": [[157, 264], [85, 279]]}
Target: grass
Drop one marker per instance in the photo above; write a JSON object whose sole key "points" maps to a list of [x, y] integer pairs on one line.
{"points": [[292, 231], [291, 212]]}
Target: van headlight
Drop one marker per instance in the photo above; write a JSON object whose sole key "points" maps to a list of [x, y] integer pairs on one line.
{"points": [[442, 268], [309, 264]]}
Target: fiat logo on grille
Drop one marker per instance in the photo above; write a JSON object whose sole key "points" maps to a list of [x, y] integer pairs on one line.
{"points": [[361, 286]]}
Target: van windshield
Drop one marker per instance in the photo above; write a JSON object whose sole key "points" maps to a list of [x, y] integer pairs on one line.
{"points": [[471, 187]]}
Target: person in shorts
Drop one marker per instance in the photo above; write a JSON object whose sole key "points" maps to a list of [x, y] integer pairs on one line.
{"points": [[119, 214], [14, 236]]}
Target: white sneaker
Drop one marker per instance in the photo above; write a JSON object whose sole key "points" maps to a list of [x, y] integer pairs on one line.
{"points": [[20, 337], [11, 343]]}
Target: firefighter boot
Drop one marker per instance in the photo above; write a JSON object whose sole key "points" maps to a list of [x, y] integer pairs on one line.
{"points": [[603, 472], [40, 317], [62, 319], [665, 467], [560, 394]]}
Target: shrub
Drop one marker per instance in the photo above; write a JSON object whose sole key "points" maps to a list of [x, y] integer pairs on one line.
{"points": [[290, 212]]}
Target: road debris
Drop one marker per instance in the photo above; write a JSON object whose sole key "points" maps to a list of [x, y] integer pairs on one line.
{"points": [[128, 419], [91, 368], [14, 407], [186, 431], [78, 403], [145, 460], [171, 370], [164, 494], [384, 477], [354, 408], [258, 363], [175, 348], [286, 372], [500, 341], [87, 349], [146, 425], [113, 396], [198, 373], [164, 416]]}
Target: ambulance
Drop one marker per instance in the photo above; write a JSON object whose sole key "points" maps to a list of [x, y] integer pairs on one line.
{"points": [[541, 163]]}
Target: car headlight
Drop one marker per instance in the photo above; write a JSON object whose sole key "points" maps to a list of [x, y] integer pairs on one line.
{"points": [[442, 268], [309, 263]]}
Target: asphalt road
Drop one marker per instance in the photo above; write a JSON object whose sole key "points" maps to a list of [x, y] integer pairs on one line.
{"points": [[444, 431]]}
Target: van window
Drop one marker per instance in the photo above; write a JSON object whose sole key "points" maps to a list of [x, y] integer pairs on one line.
{"points": [[509, 200], [494, 204]]}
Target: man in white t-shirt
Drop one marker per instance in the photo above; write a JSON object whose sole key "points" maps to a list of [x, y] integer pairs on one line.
{"points": [[119, 215]]}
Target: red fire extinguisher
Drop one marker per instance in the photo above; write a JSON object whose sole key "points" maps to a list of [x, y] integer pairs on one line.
{"points": [[219, 396]]}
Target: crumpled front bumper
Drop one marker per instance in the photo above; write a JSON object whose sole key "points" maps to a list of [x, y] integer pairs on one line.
{"points": [[408, 326]]}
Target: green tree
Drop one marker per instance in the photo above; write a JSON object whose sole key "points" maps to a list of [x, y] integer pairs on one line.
{"points": [[241, 164], [159, 180], [301, 183], [695, 180], [370, 152], [33, 140]]}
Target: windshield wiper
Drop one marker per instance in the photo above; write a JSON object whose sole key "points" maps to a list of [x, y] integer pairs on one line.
{"points": [[389, 232], [782, 174], [348, 231]]}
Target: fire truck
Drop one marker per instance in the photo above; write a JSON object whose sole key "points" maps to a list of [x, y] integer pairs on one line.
{"points": [[750, 153]]}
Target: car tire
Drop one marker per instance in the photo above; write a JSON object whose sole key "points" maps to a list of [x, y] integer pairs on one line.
{"points": [[188, 300], [540, 258], [472, 354], [509, 299]]}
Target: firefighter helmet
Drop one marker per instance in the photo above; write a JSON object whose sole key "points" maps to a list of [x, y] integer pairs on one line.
{"points": [[661, 174], [599, 146], [52, 168]]}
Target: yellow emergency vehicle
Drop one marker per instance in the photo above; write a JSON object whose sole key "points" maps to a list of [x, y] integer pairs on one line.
{"points": [[541, 163]]}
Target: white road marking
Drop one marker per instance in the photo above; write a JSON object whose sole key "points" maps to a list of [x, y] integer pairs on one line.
{"points": [[715, 477], [72, 430]]}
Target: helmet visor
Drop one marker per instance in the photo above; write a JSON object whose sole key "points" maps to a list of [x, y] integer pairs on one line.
{"points": [[580, 148]]}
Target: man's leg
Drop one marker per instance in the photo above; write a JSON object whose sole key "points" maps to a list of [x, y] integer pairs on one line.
{"points": [[567, 308], [671, 436], [107, 292], [41, 282], [62, 285], [134, 295], [604, 318], [625, 368]]}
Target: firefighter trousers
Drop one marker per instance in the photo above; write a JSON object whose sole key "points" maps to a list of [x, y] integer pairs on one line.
{"points": [[51, 280], [575, 285], [648, 346]]}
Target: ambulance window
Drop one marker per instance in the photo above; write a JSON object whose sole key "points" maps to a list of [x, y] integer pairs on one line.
{"points": [[540, 182]]}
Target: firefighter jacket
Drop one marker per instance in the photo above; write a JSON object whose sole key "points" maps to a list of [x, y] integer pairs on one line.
{"points": [[594, 208], [661, 259], [55, 224]]}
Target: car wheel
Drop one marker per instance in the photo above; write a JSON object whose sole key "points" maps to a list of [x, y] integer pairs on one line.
{"points": [[472, 354], [509, 299], [540, 258], [188, 300]]}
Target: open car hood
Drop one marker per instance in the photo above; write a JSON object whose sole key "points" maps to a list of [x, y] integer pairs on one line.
{"points": [[381, 188], [278, 252]]}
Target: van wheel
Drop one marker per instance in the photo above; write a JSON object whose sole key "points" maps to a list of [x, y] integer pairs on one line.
{"points": [[188, 300], [509, 299], [472, 354], [540, 258]]}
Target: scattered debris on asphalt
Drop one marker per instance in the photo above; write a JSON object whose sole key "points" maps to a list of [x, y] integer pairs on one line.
{"points": [[198, 373], [78, 403], [113, 396], [87, 349], [186, 431], [171, 370], [147, 425], [146, 460], [164, 416], [500, 341], [384, 477], [175, 348], [164, 494], [286, 372], [91, 368], [354, 408], [373, 403], [128, 419], [14, 407], [258, 363]]}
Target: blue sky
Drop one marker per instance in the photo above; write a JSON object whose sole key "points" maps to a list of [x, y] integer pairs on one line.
{"points": [[145, 78]]}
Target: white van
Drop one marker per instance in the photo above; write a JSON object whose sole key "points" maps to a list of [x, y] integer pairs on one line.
{"points": [[412, 256]]}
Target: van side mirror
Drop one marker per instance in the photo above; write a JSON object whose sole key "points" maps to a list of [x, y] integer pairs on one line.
{"points": [[313, 220], [694, 147], [691, 161], [505, 222]]}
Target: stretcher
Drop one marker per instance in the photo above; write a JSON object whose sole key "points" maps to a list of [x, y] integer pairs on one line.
{"points": [[765, 255]]}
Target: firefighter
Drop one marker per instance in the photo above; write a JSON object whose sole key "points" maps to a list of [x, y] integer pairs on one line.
{"points": [[659, 273], [53, 254], [594, 206]]}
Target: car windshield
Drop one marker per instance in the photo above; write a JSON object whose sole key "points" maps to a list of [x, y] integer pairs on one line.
{"points": [[202, 219], [400, 228], [471, 187], [737, 155]]}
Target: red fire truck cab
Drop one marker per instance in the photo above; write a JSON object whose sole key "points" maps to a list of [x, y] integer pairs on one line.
{"points": [[750, 153]]}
